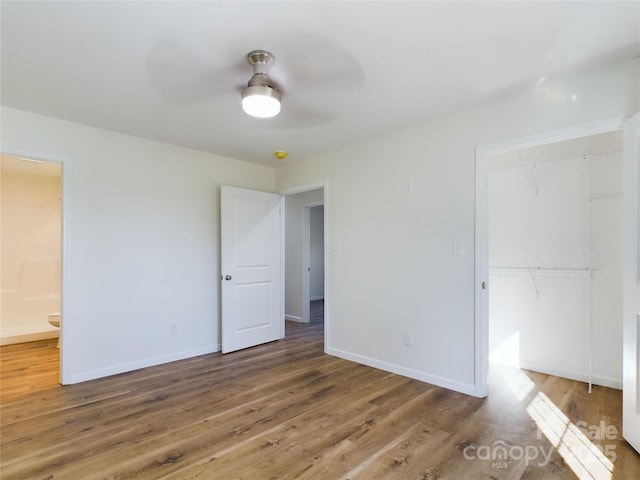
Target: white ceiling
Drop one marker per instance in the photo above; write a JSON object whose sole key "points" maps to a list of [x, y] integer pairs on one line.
{"points": [[173, 71]]}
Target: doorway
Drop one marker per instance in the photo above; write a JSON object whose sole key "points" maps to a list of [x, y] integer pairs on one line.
{"points": [[305, 255], [482, 226], [62, 165], [31, 248], [313, 267], [31, 259], [555, 259]]}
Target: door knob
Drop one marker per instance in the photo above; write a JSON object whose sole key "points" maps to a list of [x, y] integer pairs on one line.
{"points": [[227, 277]]}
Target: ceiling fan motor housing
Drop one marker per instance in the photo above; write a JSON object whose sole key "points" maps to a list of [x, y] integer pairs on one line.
{"points": [[260, 60], [260, 86]]}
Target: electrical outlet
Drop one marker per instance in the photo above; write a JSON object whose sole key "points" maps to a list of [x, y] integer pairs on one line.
{"points": [[173, 329], [408, 187], [408, 339]]}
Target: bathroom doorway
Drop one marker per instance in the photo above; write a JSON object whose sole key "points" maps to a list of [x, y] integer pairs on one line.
{"points": [[31, 251]]}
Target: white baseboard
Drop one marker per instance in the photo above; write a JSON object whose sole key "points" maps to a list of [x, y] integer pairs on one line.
{"points": [[293, 318], [578, 376], [466, 388], [128, 367], [29, 337]]}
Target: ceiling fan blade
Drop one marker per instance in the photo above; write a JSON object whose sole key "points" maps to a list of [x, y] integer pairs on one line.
{"points": [[292, 116], [311, 61], [300, 116], [183, 77], [312, 72]]}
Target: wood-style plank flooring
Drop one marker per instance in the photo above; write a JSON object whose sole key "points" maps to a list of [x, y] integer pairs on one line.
{"points": [[316, 311], [286, 410]]}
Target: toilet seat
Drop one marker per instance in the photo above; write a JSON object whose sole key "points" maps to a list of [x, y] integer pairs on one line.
{"points": [[54, 320]]}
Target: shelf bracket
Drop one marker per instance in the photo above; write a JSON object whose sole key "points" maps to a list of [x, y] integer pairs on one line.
{"points": [[533, 177], [533, 283]]}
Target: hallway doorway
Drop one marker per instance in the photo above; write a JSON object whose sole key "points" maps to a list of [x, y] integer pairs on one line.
{"points": [[305, 255]]}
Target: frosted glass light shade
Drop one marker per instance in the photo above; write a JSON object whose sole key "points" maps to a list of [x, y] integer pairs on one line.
{"points": [[261, 101]]}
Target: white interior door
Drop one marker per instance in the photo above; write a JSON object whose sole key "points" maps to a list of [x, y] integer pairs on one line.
{"points": [[251, 253], [631, 295]]}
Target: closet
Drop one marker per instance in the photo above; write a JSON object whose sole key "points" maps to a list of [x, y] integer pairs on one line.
{"points": [[555, 258]]}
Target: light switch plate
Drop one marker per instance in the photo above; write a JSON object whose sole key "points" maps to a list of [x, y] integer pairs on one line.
{"points": [[457, 247]]}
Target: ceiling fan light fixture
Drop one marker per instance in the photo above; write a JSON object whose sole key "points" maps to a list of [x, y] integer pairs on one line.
{"points": [[261, 101]]}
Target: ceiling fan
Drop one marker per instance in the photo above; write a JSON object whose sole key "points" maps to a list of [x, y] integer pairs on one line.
{"points": [[260, 99], [312, 76]]}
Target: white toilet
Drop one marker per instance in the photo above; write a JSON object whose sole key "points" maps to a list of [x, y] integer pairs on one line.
{"points": [[54, 319]]}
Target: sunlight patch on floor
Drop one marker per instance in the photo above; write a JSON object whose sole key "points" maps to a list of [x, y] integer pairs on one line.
{"points": [[578, 452], [585, 458]]}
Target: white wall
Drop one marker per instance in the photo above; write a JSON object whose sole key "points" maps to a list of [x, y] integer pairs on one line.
{"points": [[294, 251], [142, 243], [30, 224], [573, 222], [316, 252], [391, 263], [392, 270]]}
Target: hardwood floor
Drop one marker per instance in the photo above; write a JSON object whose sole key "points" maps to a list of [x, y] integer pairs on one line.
{"points": [[316, 311], [286, 410]]}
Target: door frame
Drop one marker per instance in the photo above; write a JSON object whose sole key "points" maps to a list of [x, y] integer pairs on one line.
{"points": [[306, 256], [65, 244], [481, 314], [631, 284], [324, 185]]}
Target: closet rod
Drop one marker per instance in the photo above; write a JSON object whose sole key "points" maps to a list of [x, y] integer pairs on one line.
{"points": [[544, 269], [549, 271], [528, 161], [605, 196]]}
